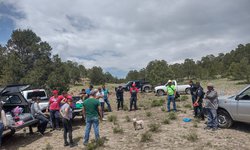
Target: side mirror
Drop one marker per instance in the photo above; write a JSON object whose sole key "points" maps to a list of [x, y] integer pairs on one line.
{"points": [[237, 97]]}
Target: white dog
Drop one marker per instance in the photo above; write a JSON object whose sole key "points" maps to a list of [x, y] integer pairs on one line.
{"points": [[138, 123]]}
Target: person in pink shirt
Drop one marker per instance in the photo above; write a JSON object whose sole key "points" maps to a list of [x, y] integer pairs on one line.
{"points": [[54, 107]]}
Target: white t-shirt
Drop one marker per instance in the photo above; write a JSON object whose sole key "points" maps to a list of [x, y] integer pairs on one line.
{"points": [[101, 100]]}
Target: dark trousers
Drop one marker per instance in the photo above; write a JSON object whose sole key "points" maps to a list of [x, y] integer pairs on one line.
{"points": [[54, 117], [198, 111], [119, 103], [102, 106], [43, 121], [106, 100], [133, 101], [67, 128], [1, 132]]}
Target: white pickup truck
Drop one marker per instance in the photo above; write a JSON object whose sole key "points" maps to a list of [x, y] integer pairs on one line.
{"points": [[161, 90]]}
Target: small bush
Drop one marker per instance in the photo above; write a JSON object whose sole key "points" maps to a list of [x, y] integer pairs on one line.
{"points": [[157, 103], [184, 98], [145, 137], [117, 130], [166, 121], [112, 118], [95, 144], [154, 127], [127, 119], [163, 109], [125, 107], [48, 147], [195, 125], [188, 106], [192, 137], [172, 116], [148, 114]]}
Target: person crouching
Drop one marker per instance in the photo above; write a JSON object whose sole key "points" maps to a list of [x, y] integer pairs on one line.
{"points": [[66, 113]]}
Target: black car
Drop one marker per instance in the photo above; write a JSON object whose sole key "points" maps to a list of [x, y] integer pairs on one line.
{"points": [[11, 97], [140, 84]]}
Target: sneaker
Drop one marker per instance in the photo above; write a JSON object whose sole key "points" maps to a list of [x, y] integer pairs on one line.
{"points": [[72, 144], [66, 144]]}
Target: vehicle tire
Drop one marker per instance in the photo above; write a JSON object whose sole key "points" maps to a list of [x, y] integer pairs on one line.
{"points": [[224, 119], [146, 89], [187, 91], [160, 92]]}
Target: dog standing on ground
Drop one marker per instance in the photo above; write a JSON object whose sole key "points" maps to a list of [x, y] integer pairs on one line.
{"points": [[137, 124]]}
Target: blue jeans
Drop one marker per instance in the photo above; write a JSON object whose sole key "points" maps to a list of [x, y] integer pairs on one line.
{"points": [[106, 100], [89, 122], [212, 120], [1, 132], [54, 118], [171, 98], [42, 125]]}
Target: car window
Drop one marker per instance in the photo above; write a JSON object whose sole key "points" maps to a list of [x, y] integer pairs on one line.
{"points": [[14, 99], [245, 95], [36, 94]]}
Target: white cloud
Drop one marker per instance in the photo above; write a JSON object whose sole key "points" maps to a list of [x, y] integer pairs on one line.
{"points": [[128, 34]]}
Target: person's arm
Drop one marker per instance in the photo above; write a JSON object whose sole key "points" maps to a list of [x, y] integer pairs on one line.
{"points": [[174, 91], [83, 112], [199, 93], [37, 109]]}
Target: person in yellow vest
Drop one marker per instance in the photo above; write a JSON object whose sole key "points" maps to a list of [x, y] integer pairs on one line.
{"points": [[171, 92]]}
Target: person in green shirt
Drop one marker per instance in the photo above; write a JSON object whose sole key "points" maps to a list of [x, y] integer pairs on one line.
{"points": [[91, 111], [171, 92]]}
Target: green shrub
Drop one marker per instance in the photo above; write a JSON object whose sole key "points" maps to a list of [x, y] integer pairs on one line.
{"points": [[188, 106], [172, 116], [184, 98], [117, 130], [166, 121], [112, 118], [195, 124], [192, 136], [154, 127], [96, 144], [125, 107], [157, 103], [163, 109], [145, 137], [127, 119], [48, 147], [148, 114]]}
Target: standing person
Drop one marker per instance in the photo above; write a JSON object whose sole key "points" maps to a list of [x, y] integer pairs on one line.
{"points": [[38, 114], [193, 89], [91, 111], [211, 105], [66, 113], [3, 122], [199, 95], [106, 97], [89, 90], [54, 107], [171, 92], [100, 95], [83, 94], [133, 99], [119, 97]]}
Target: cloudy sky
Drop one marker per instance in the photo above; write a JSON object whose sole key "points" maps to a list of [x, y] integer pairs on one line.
{"points": [[124, 35]]}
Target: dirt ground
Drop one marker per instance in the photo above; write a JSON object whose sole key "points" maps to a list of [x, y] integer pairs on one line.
{"points": [[175, 135]]}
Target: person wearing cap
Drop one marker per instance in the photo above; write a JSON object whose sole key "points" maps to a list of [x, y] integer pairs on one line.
{"points": [[119, 97], [211, 105], [106, 97], [133, 99], [89, 90], [67, 113], [99, 96], [171, 92], [91, 111], [38, 114], [54, 107], [198, 109]]}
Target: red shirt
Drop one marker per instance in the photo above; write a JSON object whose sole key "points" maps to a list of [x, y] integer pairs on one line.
{"points": [[134, 91], [54, 103]]}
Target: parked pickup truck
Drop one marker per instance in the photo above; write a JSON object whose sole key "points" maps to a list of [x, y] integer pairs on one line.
{"points": [[140, 84], [234, 108], [28, 94], [161, 90], [11, 98]]}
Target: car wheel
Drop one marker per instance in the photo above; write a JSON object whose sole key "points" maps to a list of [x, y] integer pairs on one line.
{"points": [[160, 92], [224, 119], [146, 89], [187, 91]]}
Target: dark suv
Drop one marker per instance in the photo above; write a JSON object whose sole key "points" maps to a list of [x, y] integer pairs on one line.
{"points": [[140, 84], [11, 97]]}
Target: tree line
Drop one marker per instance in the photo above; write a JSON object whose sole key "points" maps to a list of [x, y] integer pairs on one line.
{"points": [[234, 65], [26, 59]]}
